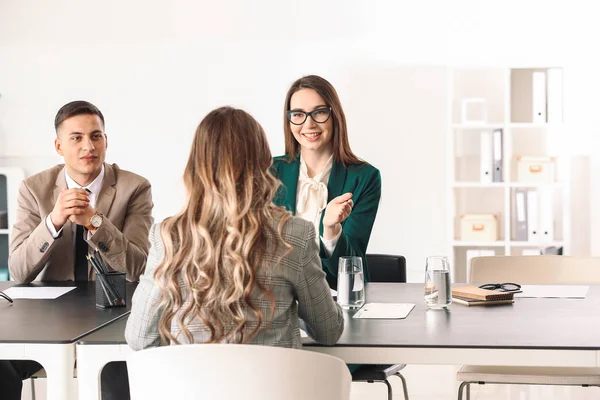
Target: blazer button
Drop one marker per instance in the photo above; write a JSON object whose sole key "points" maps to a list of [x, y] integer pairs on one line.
{"points": [[44, 247]]}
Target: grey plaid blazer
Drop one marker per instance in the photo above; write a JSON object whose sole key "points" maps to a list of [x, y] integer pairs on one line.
{"points": [[298, 285]]}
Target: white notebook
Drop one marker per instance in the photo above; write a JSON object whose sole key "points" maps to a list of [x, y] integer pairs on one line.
{"points": [[384, 310]]}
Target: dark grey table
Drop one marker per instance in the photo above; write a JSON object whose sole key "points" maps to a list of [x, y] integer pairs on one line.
{"points": [[530, 332], [534, 332], [47, 330]]}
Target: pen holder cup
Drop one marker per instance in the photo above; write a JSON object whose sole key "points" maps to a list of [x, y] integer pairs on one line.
{"points": [[110, 289]]}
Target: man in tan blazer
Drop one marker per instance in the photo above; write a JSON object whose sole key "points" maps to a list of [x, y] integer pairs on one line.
{"points": [[68, 210]]}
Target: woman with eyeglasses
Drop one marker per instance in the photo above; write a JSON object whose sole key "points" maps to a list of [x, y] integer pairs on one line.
{"points": [[323, 181]]}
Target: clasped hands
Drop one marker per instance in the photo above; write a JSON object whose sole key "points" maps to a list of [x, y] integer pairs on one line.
{"points": [[73, 205]]}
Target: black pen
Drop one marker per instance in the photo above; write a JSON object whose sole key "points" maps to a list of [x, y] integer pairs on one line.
{"points": [[98, 257], [7, 297], [103, 283]]}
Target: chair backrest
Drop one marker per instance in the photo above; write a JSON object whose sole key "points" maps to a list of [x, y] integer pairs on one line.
{"points": [[233, 371], [535, 270], [386, 268]]}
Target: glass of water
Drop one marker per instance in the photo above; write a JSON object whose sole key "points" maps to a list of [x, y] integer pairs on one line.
{"points": [[350, 283], [437, 282]]}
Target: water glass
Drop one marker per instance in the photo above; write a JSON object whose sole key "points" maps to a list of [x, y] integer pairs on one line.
{"points": [[438, 293], [350, 283]]}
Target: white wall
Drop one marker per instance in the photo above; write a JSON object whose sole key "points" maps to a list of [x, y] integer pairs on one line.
{"points": [[156, 68]]}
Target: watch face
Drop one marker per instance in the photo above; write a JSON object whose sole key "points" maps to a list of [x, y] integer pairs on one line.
{"points": [[96, 221]]}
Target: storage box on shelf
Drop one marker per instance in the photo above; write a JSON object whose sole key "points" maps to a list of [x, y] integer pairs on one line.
{"points": [[509, 164]]}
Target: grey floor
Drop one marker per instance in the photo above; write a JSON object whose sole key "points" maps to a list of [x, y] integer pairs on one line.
{"points": [[427, 382]]}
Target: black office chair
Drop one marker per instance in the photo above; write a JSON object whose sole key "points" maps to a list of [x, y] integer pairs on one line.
{"points": [[384, 268]]}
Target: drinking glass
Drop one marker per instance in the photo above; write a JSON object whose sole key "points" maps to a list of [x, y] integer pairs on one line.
{"points": [[350, 283], [437, 282]]}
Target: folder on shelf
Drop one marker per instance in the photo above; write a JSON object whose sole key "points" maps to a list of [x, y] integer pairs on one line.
{"points": [[532, 216], [520, 219], [546, 215], [497, 145], [555, 95], [538, 96], [486, 162]]}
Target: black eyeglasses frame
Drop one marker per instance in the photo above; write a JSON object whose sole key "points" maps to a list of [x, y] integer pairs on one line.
{"points": [[307, 114]]}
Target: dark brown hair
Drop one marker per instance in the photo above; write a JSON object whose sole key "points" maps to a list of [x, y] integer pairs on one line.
{"points": [[74, 108], [341, 147]]}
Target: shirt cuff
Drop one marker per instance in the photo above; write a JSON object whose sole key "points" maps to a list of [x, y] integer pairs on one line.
{"points": [[51, 228], [329, 244]]}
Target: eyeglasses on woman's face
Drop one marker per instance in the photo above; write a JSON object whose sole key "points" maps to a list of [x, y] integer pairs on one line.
{"points": [[320, 115]]}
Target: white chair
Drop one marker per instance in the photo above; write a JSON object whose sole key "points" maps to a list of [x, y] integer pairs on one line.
{"points": [[530, 270], [203, 371]]}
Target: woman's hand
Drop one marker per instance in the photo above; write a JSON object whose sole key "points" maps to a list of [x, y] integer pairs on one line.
{"points": [[336, 212]]}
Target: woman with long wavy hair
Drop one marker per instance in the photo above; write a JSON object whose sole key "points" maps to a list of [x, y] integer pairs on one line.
{"points": [[232, 267]]}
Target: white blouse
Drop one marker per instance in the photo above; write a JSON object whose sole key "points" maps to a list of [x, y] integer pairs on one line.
{"points": [[311, 200]]}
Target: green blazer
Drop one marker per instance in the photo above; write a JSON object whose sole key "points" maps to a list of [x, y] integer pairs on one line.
{"points": [[363, 181]]}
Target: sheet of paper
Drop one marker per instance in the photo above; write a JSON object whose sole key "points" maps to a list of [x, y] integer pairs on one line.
{"points": [[384, 310], [303, 334], [554, 291], [37, 292]]}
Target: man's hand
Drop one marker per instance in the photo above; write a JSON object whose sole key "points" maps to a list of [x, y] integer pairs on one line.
{"points": [[83, 219], [70, 202], [336, 212]]}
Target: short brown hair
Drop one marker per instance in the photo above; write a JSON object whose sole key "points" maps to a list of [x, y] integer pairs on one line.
{"points": [[341, 147], [77, 107]]}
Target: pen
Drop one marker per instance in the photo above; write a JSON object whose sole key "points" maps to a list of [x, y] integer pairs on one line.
{"points": [[100, 277], [7, 297]]}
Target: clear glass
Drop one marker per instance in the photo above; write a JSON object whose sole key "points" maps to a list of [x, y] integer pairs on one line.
{"points": [[350, 283], [438, 293]]}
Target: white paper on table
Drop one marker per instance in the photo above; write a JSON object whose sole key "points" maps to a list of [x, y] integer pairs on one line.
{"points": [[37, 292], [554, 291], [303, 333], [384, 310]]}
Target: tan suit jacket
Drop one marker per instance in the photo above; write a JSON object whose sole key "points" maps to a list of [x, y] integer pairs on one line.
{"points": [[125, 200]]}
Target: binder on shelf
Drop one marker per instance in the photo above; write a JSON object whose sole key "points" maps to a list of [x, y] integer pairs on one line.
{"points": [[486, 163], [531, 252], [497, 146], [520, 216], [546, 216], [539, 97], [555, 95], [532, 216]]}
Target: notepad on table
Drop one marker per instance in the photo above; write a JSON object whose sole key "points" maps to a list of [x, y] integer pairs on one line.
{"points": [[37, 292], [384, 310], [476, 293], [473, 302]]}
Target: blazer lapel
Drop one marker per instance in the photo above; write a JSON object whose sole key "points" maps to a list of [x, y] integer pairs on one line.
{"points": [[67, 231], [108, 191], [336, 182], [335, 186], [288, 174]]}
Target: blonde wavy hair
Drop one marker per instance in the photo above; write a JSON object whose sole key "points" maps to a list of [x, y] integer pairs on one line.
{"points": [[213, 248]]}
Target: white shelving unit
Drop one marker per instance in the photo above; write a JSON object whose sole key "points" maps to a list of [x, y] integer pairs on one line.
{"points": [[10, 179], [466, 194]]}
